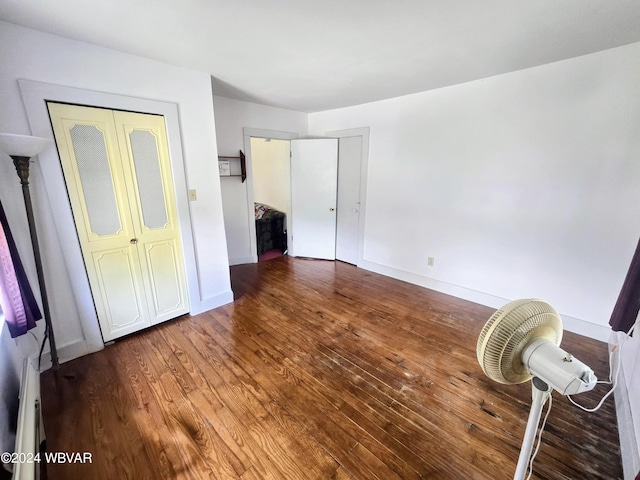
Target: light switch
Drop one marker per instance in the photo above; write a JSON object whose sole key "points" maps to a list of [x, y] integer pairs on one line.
{"points": [[192, 195]]}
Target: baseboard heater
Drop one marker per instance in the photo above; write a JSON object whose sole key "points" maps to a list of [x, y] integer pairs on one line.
{"points": [[629, 448], [29, 432]]}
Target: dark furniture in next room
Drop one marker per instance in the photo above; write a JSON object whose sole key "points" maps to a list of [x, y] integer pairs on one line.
{"points": [[271, 229]]}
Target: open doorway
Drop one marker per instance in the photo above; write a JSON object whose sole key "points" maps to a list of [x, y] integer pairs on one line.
{"points": [[271, 195], [352, 154]]}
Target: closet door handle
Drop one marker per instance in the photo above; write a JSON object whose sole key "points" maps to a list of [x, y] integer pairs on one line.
{"points": [[133, 241]]}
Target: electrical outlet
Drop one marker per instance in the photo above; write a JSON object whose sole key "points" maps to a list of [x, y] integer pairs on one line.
{"points": [[192, 195], [430, 261]]}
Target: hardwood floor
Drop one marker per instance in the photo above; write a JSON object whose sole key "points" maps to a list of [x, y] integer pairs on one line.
{"points": [[318, 370]]}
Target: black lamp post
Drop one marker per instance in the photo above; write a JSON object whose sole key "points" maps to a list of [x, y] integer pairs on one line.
{"points": [[21, 148]]}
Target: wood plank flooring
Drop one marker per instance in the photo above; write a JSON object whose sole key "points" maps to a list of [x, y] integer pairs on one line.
{"points": [[318, 370]]}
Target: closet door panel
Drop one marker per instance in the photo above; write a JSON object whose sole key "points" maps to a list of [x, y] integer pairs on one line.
{"points": [[142, 138], [162, 259], [89, 151], [118, 174], [118, 282]]}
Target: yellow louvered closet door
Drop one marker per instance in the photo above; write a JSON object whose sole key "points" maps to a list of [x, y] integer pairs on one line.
{"points": [[118, 175]]}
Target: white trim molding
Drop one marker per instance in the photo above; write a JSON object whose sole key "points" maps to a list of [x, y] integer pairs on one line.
{"points": [[362, 132], [35, 95], [249, 133], [571, 324]]}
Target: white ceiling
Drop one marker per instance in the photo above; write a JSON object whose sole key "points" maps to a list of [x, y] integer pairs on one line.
{"points": [[317, 55]]}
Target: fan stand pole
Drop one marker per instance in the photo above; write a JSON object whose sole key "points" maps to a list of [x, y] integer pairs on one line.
{"points": [[540, 392]]}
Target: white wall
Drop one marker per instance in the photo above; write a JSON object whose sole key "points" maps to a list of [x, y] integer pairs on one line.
{"points": [[272, 173], [520, 185], [232, 116], [32, 55]]}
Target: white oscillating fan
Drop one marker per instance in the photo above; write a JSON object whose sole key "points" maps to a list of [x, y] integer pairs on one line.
{"points": [[520, 342]]}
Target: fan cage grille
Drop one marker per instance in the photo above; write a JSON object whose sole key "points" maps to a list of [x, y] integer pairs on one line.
{"points": [[507, 333]]}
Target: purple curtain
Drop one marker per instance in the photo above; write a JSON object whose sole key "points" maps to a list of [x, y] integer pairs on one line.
{"points": [[16, 297], [628, 304]]}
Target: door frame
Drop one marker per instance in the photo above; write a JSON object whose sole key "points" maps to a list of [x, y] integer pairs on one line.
{"points": [[35, 95], [248, 133], [362, 132]]}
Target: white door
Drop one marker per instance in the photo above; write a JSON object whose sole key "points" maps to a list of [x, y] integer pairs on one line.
{"points": [[314, 175], [349, 165], [116, 166]]}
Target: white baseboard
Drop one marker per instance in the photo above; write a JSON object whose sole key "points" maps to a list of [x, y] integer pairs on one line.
{"points": [[433, 284], [575, 325], [587, 329], [66, 353], [243, 260], [80, 348], [212, 302]]}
